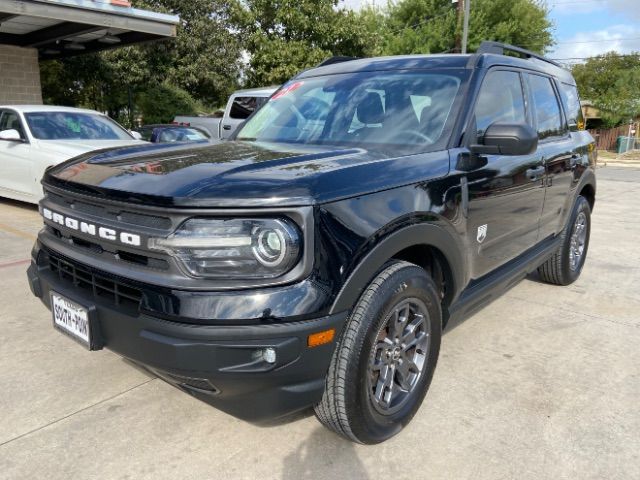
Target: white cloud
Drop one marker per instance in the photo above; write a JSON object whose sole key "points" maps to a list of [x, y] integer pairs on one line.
{"points": [[630, 8], [587, 44]]}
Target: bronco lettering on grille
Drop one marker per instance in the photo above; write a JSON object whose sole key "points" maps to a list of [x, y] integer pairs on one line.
{"points": [[91, 229]]}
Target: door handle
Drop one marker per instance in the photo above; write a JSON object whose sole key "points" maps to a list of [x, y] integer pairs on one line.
{"points": [[534, 173], [226, 127]]}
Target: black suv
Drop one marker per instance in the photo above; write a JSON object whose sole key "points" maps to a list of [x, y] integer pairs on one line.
{"points": [[315, 258]]}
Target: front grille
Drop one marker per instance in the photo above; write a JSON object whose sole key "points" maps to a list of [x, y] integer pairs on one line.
{"points": [[112, 254], [115, 214], [99, 286]]}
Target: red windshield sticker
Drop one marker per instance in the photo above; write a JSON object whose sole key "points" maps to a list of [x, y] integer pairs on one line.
{"points": [[287, 89]]}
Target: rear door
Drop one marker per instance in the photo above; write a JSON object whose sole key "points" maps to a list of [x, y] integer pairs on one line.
{"points": [[15, 158], [557, 147], [506, 195]]}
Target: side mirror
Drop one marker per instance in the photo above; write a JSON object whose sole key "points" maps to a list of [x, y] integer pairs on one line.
{"points": [[11, 135], [507, 139], [136, 135]]}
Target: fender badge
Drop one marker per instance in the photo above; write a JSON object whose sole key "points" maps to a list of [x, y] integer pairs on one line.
{"points": [[482, 233]]}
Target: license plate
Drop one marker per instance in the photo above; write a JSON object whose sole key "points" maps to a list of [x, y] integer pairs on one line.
{"points": [[71, 318]]}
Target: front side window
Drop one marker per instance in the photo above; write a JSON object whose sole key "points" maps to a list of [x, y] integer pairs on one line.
{"points": [[74, 126], [501, 100], [405, 110], [11, 121], [545, 102]]}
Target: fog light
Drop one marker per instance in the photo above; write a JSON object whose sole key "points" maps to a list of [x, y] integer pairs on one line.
{"points": [[266, 355]]}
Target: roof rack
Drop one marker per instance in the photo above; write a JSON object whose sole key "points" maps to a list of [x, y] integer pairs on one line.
{"points": [[500, 49], [337, 59]]}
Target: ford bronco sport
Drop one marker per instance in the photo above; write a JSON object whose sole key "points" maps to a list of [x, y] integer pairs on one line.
{"points": [[315, 258]]}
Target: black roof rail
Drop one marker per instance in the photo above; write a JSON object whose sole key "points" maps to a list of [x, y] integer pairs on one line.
{"points": [[500, 49], [337, 59]]}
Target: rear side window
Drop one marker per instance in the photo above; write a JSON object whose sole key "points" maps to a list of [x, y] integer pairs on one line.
{"points": [[547, 110], [243, 107], [569, 94], [501, 100]]}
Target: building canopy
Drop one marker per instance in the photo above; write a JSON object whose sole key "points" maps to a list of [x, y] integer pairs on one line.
{"points": [[64, 28]]}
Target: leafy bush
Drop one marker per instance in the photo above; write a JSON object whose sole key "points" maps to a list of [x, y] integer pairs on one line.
{"points": [[161, 103]]}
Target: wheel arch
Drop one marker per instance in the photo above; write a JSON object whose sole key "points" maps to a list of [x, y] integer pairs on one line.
{"points": [[421, 244], [588, 191], [587, 188]]}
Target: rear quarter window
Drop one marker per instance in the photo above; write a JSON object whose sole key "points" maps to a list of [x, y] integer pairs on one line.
{"points": [[547, 110], [571, 101]]}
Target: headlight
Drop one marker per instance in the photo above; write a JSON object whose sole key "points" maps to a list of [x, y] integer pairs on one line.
{"points": [[234, 248]]}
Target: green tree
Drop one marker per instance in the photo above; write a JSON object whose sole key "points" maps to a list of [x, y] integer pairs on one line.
{"points": [[284, 37], [432, 26], [163, 103], [610, 81], [204, 60]]}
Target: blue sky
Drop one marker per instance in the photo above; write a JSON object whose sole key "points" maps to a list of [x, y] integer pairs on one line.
{"points": [[598, 25], [584, 28]]}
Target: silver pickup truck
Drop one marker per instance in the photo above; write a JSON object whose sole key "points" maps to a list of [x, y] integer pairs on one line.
{"points": [[240, 106]]}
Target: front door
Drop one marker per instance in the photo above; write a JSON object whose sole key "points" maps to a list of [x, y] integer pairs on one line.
{"points": [[507, 194], [15, 159], [238, 110]]}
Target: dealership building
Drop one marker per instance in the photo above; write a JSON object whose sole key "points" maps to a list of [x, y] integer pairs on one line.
{"points": [[36, 30]]}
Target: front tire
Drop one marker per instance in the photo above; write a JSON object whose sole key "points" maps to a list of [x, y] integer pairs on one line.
{"points": [[385, 360], [565, 266]]}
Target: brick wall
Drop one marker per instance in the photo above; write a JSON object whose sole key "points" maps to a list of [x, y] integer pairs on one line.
{"points": [[19, 76]]}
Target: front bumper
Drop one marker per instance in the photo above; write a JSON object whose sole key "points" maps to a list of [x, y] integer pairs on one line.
{"points": [[219, 364]]}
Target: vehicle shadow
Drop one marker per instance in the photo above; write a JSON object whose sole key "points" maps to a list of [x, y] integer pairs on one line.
{"points": [[322, 452], [8, 202]]}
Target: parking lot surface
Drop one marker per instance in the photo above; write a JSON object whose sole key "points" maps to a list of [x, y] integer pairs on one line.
{"points": [[542, 384]]}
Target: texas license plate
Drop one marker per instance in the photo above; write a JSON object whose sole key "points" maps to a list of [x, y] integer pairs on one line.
{"points": [[71, 318]]}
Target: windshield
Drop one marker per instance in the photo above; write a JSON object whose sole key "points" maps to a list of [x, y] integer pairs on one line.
{"points": [[404, 109], [74, 126], [172, 134]]}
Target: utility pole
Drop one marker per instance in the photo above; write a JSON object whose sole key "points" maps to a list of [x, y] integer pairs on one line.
{"points": [[458, 40], [465, 29]]}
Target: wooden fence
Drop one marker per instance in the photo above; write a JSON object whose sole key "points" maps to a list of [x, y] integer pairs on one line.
{"points": [[606, 137]]}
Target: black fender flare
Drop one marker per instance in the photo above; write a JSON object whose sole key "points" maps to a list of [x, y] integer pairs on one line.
{"points": [[587, 178], [420, 234]]}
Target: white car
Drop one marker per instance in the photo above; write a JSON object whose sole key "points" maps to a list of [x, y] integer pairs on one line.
{"points": [[33, 138]]}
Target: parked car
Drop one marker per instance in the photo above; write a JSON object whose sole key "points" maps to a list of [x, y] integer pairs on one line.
{"points": [[35, 137], [315, 258], [173, 133], [239, 107]]}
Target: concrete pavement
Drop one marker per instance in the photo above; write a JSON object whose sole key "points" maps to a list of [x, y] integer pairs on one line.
{"points": [[542, 384]]}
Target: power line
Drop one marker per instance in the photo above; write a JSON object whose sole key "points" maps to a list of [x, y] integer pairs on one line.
{"points": [[559, 4], [601, 41], [621, 55]]}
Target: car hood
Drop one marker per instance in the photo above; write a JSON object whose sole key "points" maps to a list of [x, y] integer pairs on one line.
{"points": [[241, 174], [73, 148]]}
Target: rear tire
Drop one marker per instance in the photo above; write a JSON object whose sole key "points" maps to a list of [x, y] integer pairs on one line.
{"points": [[385, 359], [565, 266]]}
